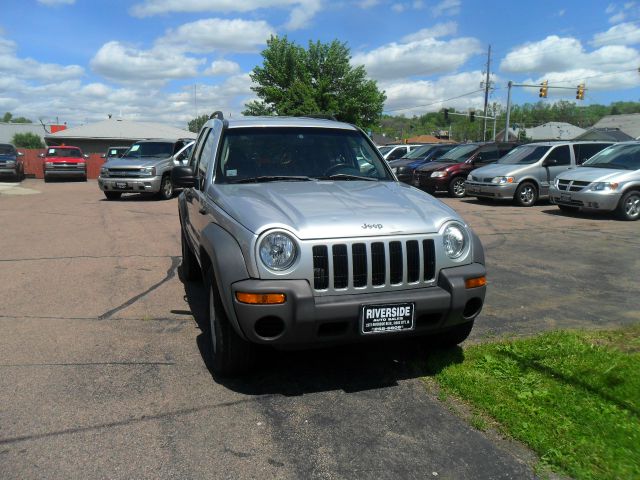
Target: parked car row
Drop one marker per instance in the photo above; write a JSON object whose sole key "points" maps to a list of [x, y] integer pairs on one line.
{"points": [[11, 164]]}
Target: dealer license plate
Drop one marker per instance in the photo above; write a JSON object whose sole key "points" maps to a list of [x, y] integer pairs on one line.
{"points": [[565, 196], [386, 318], [121, 185]]}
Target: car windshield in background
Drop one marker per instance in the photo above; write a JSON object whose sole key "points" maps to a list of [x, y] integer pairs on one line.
{"points": [[622, 157], [524, 155], [7, 150], [419, 152], [458, 154], [64, 152], [384, 150], [150, 149], [297, 154]]}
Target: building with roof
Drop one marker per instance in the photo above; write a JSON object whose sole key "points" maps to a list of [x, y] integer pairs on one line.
{"points": [[97, 137], [605, 134], [553, 131], [627, 123], [8, 130]]}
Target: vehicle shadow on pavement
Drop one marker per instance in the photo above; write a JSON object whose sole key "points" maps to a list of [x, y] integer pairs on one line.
{"points": [[600, 216], [350, 368]]}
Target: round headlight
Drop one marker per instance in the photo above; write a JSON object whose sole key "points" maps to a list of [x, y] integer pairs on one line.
{"points": [[454, 240], [278, 251]]}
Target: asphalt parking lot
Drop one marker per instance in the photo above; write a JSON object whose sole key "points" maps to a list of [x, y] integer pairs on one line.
{"points": [[103, 369]]}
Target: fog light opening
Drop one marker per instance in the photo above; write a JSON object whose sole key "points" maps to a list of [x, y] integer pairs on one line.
{"points": [[269, 327], [472, 308]]}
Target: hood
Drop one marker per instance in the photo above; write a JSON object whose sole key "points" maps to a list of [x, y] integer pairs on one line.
{"points": [[332, 209], [65, 159], [431, 166], [406, 162], [132, 162], [590, 174], [500, 170], [8, 156]]}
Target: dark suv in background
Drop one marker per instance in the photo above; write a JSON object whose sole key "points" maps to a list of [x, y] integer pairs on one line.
{"points": [[450, 171], [11, 164], [405, 166]]}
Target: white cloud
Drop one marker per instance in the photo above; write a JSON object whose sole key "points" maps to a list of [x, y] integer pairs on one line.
{"points": [[446, 7], [123, 63], [222, 67], [419, 97], [302, 11], [398, 7], [215, 34], [438, 30], [421, 57], [364, 4], [622, 34], [619, 13], [54, 3], [28, 68]]}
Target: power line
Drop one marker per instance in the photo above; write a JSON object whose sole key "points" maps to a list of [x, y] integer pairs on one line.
{"points": [[435, 103]]}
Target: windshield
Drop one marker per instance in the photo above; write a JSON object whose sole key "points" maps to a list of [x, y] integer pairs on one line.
{"points": [[64, 152], [621, 156], [294, 154], [7, 150], [419, 152], [385, 149], [150, 149], [524, 154], [458, 154]]}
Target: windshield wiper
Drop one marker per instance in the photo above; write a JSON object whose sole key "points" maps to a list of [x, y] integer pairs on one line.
{"points": [[273, 178], [346, 176]]}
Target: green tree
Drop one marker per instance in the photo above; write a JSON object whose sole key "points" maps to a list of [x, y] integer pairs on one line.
{"points": [[9, 118], [196, 124], [319, 80], [27, 140]]}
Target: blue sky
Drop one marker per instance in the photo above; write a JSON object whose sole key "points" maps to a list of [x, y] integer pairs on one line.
{"points": [[166, 60]]}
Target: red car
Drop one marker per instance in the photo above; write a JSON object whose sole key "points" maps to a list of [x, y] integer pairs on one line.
{"points": [[64, 162], [450, 171]]}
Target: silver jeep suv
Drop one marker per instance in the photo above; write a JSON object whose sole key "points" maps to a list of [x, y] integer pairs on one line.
{"points": [[304, 237]]}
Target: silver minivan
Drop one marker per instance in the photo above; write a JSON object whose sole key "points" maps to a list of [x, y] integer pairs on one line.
{"points": [[525, 174], [610, 181]]}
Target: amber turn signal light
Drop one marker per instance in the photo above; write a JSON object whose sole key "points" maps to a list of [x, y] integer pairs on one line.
{"points": [[261, 298], [475, 282]]}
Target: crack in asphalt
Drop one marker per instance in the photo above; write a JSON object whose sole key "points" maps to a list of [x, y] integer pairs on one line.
{"points": [[129, 421], [175, 262]]}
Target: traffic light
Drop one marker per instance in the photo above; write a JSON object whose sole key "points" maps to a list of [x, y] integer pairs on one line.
{"points": [[446, 114], [472, 115], [580, 92], [544, 86]]}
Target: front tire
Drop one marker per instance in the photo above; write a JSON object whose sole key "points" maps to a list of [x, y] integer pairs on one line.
{"points": [[112, 195], [629, 207], [231, 355], [457, 188], [166, 188], [526, 195]]}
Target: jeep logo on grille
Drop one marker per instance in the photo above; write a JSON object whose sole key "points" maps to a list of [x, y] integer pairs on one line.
{"points": [[367, 226]]}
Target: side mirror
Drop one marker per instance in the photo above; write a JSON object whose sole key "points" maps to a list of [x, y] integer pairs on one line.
{"points": [[86, 156], [549, 162], [41, 155], [20, 154], [182, 176], [104, 155]]}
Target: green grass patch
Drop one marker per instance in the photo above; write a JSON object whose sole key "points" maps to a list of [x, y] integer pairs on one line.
{"points": [[573, 397]]}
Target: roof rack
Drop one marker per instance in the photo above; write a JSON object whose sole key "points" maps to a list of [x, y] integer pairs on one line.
{"points": [[321, 116]]}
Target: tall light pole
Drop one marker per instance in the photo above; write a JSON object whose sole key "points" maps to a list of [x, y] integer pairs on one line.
{"points": [[506, 128]]}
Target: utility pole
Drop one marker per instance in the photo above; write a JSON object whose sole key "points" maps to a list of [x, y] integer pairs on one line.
{"points": [[506, 128], [486, 95]]}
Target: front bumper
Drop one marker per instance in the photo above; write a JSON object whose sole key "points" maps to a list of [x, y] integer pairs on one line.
{"points": [[137, 184], [605, 200], [66, 173], [304, 320], [431, 184], [491, 190], [8, 171]]}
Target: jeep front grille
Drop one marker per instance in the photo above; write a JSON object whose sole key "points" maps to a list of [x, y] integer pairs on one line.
{"points": [[376, 264]]}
